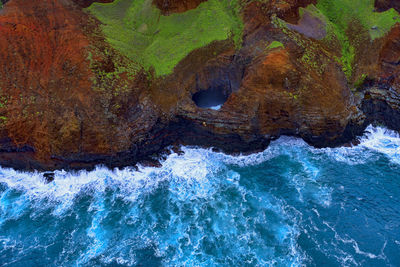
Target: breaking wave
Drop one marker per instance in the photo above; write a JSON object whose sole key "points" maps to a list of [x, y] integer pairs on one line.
{"points": [[290, 205]]}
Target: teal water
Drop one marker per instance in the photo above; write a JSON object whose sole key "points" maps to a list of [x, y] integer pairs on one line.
{"points": [[291, 205]]}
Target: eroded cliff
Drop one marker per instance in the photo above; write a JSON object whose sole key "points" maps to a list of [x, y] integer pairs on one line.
{"points": [[116, 82]]}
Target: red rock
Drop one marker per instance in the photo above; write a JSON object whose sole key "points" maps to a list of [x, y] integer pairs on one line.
{"points": [[60, 112], [47, 81], [389, 58]]}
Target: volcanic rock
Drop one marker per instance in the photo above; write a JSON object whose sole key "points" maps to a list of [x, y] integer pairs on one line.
{"points": [[75, 95]]}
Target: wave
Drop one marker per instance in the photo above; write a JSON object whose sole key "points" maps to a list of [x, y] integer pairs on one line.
{"points": [[195, 206], [193, 166]]}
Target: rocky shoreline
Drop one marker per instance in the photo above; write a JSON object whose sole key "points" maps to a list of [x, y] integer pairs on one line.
{"points": [[72, 98]]}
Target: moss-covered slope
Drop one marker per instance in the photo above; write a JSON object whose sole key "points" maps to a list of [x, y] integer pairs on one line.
{"points": [[143, 34]]}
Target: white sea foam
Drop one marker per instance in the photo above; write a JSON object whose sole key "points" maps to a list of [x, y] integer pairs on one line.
{"points": [[375, 139], [218, 107], [194, 166], [190, 170], [190, 178], [382, 140], [355, 245]]}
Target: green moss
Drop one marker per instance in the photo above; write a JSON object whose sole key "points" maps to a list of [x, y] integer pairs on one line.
{"points": [[343, 12], [140, 32], [311, 50], [360, 81], [275, 44], [340, 14], [294, 96], [110, 77], [3, 101], [309, 59]]}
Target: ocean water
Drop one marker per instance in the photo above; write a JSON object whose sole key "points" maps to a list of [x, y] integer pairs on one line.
{"points": [[291, 205]]}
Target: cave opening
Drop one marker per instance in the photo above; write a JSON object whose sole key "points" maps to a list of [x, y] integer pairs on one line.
{"points": [[213, 97]]}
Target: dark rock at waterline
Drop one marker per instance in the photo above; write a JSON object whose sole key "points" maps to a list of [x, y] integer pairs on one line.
{"points": [[48, 177], [382, 106]]}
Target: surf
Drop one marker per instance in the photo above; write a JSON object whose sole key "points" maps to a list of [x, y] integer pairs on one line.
{"points": [[289, 205]]}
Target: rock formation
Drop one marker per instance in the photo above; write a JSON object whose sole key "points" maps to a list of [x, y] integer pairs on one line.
{"points": [[86, 83], [176, 6]]}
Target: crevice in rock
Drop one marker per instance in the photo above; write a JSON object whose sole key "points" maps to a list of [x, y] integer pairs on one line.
{"points": [[216, 83], [213, 97]]}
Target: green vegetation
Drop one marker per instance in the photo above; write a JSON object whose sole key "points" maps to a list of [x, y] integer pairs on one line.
{"points": [[110, 77], [343, 12], [1, 5], [360, 81], [275, 44], [309, 58], [3, 100], [312, 50], [340, 14], [139, 31], [314, 11], [294, 96]]}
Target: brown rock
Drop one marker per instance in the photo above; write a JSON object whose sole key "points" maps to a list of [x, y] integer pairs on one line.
{"points": [[389, 58], [62, 109], [168, 7], [47, 81], [86, 3], [383, 5], [310, 26]]}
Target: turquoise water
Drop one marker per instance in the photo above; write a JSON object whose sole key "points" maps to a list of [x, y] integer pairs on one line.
{"points": [[291, 205]]}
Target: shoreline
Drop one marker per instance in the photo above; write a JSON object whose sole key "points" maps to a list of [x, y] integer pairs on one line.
{"points": [[152, 160]]}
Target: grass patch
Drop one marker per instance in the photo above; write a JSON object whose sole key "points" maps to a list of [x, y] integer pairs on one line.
{"points": [[275, 44], [139, 31], [360, 81]]}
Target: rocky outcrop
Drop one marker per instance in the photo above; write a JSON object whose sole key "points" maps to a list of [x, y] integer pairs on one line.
{"points": [[381, 105], [86, 3], [176, 6], [382, 5], [381, 101], [71, 98]]}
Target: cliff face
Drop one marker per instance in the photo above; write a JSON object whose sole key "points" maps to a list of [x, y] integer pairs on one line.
{"points": [[118, 82], [64, 91]]}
